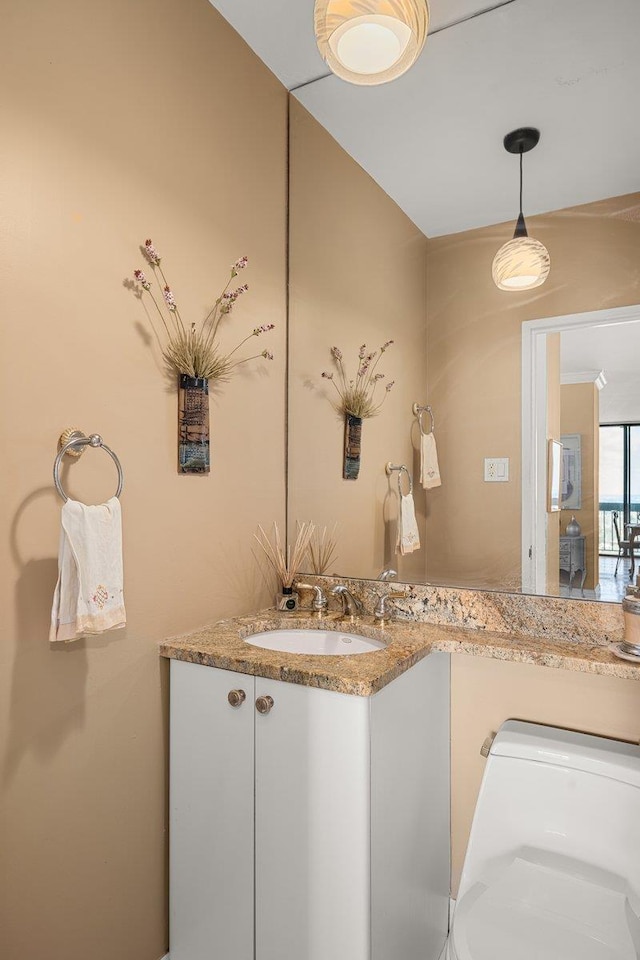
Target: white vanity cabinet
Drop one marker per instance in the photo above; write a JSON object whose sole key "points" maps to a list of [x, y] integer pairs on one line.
{"points": [[318, 830]]}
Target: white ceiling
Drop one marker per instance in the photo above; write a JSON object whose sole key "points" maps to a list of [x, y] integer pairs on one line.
{"points": [[433, 138], [614, 349], [281, 32]]}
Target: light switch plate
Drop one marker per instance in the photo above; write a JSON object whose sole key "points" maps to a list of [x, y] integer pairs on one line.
{"points": [[496, 469]]}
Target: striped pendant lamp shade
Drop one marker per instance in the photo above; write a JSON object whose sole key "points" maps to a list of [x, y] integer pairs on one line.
{"points": [[521, 264], [371, 41]]}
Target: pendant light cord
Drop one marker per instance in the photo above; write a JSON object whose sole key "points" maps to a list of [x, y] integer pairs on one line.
{"points": [[521, 227], [521, 155]]}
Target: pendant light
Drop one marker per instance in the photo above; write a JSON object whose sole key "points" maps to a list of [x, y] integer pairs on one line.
{"points": [[371, 41], [522, 263]]}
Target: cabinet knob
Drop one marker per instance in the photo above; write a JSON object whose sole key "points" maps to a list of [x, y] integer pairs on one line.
{"points": [[264, 704], [236, 697]]}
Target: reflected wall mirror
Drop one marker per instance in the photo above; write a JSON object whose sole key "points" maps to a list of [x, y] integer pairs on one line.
{"points": [[399, 199]]}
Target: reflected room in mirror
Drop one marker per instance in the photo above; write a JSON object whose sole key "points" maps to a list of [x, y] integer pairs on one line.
{"points": [[364, 271]]}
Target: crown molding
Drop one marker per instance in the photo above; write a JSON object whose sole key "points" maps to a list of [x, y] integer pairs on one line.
{"points": [[586, 376]]}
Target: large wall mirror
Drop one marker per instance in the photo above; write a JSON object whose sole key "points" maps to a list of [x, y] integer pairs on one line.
{"points": [[400, 197], [361, 274]]}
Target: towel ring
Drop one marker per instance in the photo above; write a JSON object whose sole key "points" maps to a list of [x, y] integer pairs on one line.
{"points": [[392, 468], [72, 443], [418, 411]]}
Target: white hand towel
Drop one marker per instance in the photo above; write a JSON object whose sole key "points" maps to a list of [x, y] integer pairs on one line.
{"points": [[429, 469], [408, 535], [89, 598]]}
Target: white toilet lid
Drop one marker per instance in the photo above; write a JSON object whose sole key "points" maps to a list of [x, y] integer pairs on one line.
{"points": [[535, 912]]}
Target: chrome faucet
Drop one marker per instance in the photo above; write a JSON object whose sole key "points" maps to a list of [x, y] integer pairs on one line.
{"points": [[388, 574], [352, 608], [380, 614]]}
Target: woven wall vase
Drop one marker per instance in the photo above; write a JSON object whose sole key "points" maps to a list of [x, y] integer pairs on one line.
{"points": [[193, 424]]}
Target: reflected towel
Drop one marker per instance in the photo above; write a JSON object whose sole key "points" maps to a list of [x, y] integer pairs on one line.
{"points": [[408, 535], [429, 469], [88, 598]]}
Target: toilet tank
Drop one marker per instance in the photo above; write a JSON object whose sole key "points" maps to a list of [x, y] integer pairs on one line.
{"points": [[555, 795]]}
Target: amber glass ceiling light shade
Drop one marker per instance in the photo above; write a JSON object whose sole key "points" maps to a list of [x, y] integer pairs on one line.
{"points": [[371, 41], [521, 263]]}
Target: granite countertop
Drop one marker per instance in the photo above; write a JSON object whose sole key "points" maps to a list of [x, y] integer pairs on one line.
{"points": [[222, 645]]}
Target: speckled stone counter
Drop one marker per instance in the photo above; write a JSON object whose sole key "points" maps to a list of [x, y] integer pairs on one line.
{"points": [[222, 645], [550, 618]]}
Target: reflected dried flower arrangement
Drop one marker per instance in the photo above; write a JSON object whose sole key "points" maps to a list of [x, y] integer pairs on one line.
{"points": [[358, 397], [285, 562], [193, 349], [322, 549]]}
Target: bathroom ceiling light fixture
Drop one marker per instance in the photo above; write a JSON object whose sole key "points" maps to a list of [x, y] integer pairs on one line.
{"points": [[371, 41], [522, 263]]}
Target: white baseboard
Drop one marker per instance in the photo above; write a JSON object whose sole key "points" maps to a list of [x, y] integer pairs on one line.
{"points": [[443, 955]]}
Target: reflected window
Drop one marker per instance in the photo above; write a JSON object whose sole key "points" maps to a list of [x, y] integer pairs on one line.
{"points": [[619, 482]]}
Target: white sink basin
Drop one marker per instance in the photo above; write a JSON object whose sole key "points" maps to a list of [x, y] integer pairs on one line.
{"points": [[324, 643]]}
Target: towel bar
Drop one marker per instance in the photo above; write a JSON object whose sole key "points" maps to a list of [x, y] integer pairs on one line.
{"points": [[72, 442]]}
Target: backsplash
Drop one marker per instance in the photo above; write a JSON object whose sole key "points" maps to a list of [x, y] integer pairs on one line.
{"points": [[583, 621]]}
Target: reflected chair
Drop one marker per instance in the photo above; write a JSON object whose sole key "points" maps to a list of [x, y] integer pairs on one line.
{"points": [[623, 545]]}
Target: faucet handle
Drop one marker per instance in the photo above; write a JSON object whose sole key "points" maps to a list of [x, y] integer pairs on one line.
{"points": [[381, 613], [320, 602]]}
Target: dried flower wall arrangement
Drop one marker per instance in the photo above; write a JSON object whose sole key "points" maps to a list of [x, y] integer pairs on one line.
{"points": [[358, 399], [192, 349], [193, 352]]}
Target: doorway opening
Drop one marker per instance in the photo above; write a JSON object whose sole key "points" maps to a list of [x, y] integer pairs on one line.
{"points": [[539, 527]]}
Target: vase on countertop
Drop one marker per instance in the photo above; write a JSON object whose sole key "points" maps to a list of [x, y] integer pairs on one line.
{"points": [[287, 600]]}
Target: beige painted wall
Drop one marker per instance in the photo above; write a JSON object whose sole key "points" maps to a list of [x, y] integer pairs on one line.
{"points": [[357, 274], [580, 413], [485, 693], [473, 357], [122, 120]]}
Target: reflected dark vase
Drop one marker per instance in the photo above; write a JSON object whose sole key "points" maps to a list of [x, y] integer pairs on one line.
{"points": [[193, 424], [352, 443]]}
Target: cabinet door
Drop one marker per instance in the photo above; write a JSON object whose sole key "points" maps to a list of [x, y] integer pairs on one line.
{"points": [[410, 813], [312, 825], [211, 815]]}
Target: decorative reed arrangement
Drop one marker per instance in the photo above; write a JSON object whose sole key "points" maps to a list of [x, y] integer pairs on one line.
{"points": [[358, 397], [285, 563], [322, 549], [193, 349]]}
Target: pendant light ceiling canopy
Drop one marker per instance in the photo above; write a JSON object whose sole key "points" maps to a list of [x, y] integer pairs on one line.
{"points": [[371, 41], [521, 263]]}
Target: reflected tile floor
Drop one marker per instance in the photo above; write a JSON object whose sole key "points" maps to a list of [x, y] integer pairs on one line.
{"points": [[611, 588]]}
